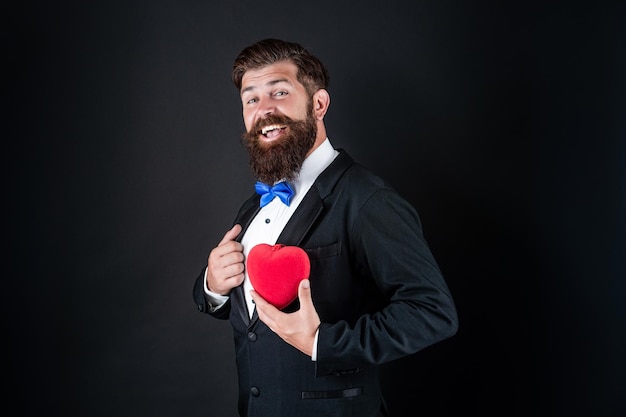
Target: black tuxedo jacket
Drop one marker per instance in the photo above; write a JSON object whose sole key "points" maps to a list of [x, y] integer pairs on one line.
{"points": [[377, 289]]}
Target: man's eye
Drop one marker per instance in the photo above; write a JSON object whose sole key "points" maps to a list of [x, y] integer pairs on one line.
{"points": [[252, 101], [280, 93]]}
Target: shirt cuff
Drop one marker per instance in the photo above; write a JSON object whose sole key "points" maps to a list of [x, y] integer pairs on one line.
{"points": [[314, 353], [215, 300]]}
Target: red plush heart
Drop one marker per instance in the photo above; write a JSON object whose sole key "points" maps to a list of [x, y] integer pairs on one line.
{"points": [[275, 272]]}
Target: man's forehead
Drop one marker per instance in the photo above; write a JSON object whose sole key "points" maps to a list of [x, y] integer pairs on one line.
{"points": [[270, 75]]}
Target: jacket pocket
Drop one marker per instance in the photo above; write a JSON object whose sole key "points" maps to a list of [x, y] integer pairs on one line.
{"points": [[322, 395], [322, 252]]}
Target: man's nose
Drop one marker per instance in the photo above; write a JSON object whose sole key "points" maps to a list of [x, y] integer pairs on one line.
{"points": [[266, 107]]}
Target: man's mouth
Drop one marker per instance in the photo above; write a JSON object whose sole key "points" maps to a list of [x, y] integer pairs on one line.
{"points": [[272, 131]]}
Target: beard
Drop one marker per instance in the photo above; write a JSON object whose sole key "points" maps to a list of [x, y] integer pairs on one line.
{"points": [[282, 158]]}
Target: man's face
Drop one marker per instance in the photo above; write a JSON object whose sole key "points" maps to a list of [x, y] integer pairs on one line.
{"points": [[280, 126]]}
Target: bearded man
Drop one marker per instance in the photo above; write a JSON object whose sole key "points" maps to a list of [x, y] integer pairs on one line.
{"points": [[375, 292]]}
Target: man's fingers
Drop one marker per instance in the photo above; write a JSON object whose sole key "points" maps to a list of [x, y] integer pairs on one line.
{"points": [[231, 234]]}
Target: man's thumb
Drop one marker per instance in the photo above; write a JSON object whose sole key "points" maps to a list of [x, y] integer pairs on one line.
{"points": [[304, 292]]}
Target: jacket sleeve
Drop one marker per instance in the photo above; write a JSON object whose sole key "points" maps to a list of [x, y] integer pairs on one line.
{"points": [[388, 245]]}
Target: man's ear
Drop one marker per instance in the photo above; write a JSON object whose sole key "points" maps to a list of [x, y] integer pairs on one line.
{"points": [[321, 101]]}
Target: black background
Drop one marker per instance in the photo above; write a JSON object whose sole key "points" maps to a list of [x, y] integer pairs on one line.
{"points": [[502, 122]]}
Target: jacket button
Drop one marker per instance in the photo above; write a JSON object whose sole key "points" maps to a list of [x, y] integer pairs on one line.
{"points": [[251, 336], [255, 391]]}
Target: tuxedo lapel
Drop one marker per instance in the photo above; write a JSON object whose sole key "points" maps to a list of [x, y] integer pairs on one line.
{"points": [[238, 302], [244, 218], [313, 203], [302, 219]]}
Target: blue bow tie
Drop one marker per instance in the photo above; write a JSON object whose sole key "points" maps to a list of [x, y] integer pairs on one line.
{"points": [[281, 190]]}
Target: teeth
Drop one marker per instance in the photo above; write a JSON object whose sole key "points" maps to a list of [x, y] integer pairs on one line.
{"points": [[270, 127]]}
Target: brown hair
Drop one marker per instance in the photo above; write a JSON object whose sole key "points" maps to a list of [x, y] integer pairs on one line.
{"points": [[312, 74]]}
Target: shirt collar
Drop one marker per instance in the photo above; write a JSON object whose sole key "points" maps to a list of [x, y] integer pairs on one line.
{"points": [[314, 164]]}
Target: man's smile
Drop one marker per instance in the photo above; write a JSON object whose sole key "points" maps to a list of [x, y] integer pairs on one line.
{"points": [[273, 131]]}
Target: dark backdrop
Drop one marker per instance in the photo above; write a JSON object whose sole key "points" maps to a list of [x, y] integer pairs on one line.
{"points": [[502, 122]]}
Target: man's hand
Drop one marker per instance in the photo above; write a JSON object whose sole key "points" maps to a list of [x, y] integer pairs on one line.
{"points": [[225, 264], [297, 328]]}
